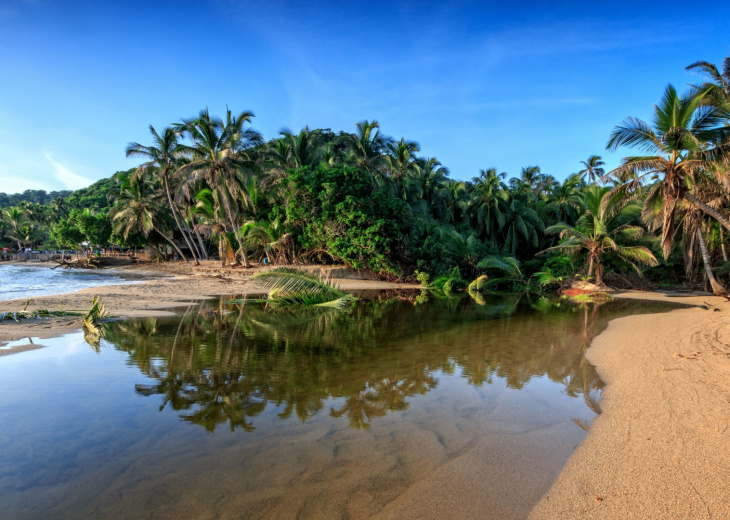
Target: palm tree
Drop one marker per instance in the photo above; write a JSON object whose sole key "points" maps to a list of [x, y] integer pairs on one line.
{"points": [[719, 81], [521, 222], [162, 161], [304, 148], [430, 178], [602, 232], [213, 221], [137, 209], [593, 169], [684, 140], [14, 219], [490, 201], [402, 160], [218, 156], [367, 146], [566, 204]]}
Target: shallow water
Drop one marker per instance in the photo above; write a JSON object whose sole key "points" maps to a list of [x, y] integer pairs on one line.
{"points": [[17, 281], [233, 411]]}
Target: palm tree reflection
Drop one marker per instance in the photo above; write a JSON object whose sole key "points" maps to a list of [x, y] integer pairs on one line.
{"points": [[225, 363]]}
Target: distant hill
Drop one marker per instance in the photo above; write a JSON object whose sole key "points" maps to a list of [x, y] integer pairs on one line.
{"points": [[37, 196]]}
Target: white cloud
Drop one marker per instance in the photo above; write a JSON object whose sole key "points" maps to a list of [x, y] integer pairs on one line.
{"points": [[69, 179]]}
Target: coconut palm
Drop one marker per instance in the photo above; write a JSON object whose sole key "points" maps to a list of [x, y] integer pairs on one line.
{"points": [[522, 224], [490, 201], [685, 138], [218, 157], [213, 222], [565, 202], [304, 148], [14, 219], [718, 85], [162, 162], [593, 169], [137, 209], [401, 159], [604, 231], [367, 147], [430, 177]]}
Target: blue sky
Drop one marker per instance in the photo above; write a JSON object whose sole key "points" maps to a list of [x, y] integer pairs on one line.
{"points": [[477, 84]]}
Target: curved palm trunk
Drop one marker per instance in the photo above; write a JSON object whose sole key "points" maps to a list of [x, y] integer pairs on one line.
{"points": [[716, 287], [177, 220], [169, 239]]}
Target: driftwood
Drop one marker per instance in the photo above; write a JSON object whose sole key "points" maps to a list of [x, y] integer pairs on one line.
{"points": [[86, 263]]}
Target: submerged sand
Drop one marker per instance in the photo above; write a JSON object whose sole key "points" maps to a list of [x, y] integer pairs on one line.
{"points": [[661, 447]]}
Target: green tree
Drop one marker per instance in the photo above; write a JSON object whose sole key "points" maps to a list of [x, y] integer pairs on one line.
{"points": [[604, 231]]}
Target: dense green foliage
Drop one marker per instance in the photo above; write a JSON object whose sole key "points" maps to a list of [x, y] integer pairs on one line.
{"points": [[213, 185]]}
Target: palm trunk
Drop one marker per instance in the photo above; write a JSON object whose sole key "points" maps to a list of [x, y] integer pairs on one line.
{"points": [[203, 247], [169, 239], [722, 219], [716, 287], [590, 268], [722, 244], [237, 234], [177, 220]]}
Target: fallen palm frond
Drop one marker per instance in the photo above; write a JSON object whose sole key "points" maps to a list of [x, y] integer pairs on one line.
{"points": [[36, 314], [91, 319], [477, 284], [295, 288]]}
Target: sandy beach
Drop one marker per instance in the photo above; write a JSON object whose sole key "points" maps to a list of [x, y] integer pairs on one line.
{"points": [[661, 447]]}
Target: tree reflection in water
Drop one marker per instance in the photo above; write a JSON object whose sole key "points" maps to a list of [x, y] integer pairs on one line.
{"points": [[225, 363]]}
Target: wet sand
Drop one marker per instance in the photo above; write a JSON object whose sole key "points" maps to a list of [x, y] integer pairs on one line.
{"points": [[661, 447], [169, 286]]}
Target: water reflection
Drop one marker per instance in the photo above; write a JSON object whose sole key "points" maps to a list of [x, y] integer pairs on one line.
{"points": [[223, 364]]}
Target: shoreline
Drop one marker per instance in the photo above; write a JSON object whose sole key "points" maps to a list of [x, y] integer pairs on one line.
{"points": [[661, 447], [166, 286]]}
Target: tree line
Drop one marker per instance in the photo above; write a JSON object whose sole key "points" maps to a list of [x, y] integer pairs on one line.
{"points": [[211, 186]]}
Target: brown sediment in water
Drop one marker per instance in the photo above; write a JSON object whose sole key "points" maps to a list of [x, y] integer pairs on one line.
{"points": [[154, 297], [661, 447]]}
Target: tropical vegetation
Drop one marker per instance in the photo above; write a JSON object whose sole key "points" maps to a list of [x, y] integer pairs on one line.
{"points": [[212, 187]]}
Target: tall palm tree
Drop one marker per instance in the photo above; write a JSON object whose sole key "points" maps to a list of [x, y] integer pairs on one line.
{"points": [[603, 231], [430, 178], [565, 203], [593, 169], [685, 138], [161, 162], [14, 219], [304, 148], [218, 155], [402, 160], [367, 147], [137, 209], [522, 224], [490, 202]]}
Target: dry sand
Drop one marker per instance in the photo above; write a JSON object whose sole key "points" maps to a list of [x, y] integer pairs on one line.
{"points": [[661, 447], [169, 286]]}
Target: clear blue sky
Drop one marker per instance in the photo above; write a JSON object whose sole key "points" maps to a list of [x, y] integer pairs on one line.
{"points": [[476, 84]]}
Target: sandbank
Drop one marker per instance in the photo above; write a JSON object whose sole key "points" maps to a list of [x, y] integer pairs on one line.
{"points": [[661, 447]]}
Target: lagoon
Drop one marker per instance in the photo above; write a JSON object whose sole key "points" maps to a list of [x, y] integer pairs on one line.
{"points": [[399, 409]]}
